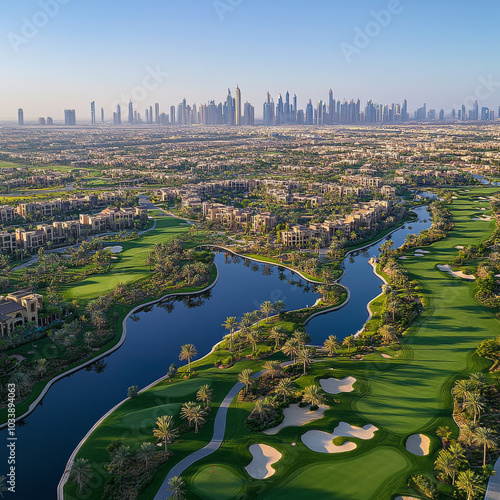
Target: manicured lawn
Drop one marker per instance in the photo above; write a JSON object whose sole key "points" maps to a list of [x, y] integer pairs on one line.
{"points": [[131, 264], [218, 483]]}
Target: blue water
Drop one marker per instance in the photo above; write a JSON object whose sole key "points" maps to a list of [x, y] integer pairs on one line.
{"points": [[49, 435]]}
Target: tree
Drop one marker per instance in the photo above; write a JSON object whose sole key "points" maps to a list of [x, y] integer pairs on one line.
{"points": [[132, 391], [245, 377], [41, 366], [305, 357], [474, 404], [19, 379], [280, 307], [272, 368], [486, 438], [462, 389], [446, 464], [165, 429], [470, 484], [176, 484], [188, 351], [291, 348], [388, 334], [445, 433], [331, 345], [284, 388], [198, 416], [324, 291], [146, 452], [312, 395], [490, 349], [3, 486], [253, 337], [119, 458], [349, 342], [81, 473], [260, 409], [276, 334], [267, 308], [230, 324], [204, 395]]}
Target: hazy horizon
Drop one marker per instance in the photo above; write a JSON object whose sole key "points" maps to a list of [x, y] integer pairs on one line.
{"points": [[63, 54]]}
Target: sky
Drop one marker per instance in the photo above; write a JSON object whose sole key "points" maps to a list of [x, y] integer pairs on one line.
{"points": [[59, 54]]}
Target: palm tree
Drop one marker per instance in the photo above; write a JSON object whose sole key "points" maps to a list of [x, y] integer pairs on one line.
{"points": [[3, 486], [324, 291], [253, 337], [486, 438], [470, 483], [474, 404], [388, 333], [284, 388], [197, 416], [291, 348], [272, 368], [146, 452], [462, 389], [19, 379], [349, 342], [478, 379], [312, 395], [331, 344], [260, 409], [120, 458], [279, 307], [267, 308], [41, 366], [81, 472], [245, 377], [230, 324], [445, 433], [176, 484], [165, 431], [204, 395], [305, 357], [446, 464], [188, 351], [150, 261], [276, 334]]}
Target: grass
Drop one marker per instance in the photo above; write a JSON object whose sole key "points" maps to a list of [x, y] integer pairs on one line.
{"points": [[218, 483], [130, 266], [402, 396]]}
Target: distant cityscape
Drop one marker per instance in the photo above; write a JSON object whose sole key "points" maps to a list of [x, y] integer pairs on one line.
{"points": [[233, 112]]}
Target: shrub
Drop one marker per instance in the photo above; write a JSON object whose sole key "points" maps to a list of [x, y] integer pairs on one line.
{"points": [[172, 370], [425, 485], [228, 361], [133, 391]]}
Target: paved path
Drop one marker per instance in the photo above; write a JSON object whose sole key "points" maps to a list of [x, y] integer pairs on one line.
{"points": [[217, 439], [493, 492]]}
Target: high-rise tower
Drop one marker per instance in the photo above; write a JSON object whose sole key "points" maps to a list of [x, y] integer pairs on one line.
{"points": [[237, 110], [92, 113], [20, 116]]}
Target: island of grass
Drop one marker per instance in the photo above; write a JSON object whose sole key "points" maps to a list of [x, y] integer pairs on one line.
{"points": [[401, 397]]}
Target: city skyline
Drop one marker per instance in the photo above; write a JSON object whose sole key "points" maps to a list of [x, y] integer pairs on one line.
{"points": [[282, 111], [424, 50]]}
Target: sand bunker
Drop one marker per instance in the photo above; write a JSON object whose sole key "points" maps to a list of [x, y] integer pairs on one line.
{"points": [[321, 442], [484, 218], [263, 457], [406, 498], [458, 274], [296, 416], [422, 251], [116, 249], [459, 247], [336, 386], [386, 356], [403, 258], [418, 444]]}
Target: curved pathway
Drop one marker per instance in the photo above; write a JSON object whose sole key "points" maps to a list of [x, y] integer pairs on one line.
{"points": [[215, 443], [493, 492]]}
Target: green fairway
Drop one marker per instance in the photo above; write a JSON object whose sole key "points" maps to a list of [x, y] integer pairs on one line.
{"points": [[146, 418], [131, 264], [224, 484], [347, 479]]}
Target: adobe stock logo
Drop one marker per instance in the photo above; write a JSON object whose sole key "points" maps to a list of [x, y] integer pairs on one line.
{"points": [[224, 6], [363, 37], [31, 27]]}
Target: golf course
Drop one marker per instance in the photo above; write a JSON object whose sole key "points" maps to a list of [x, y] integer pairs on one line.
{"points": [[399, 394]]}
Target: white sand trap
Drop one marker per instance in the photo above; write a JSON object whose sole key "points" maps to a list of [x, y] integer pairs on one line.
{"points": [[406, 498], [263, 457], [484, 218], [459, 247], [321, 441], [403, 258], [458, 274], [336, 386], [116, 249], [418, 444], [422, 251], [386, 356], [296, 416], [454, 198]]}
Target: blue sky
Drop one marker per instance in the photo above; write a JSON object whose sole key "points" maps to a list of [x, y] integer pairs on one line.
{"points": [[429, 51]]}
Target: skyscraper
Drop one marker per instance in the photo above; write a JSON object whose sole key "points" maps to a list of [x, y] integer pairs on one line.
{"points": [[237, 106], [92, 113], [150, 114], [331, 107], [309, 113], [69, 117], [172, 115], [102, 115], [20, 116], [130, 112], [118, 114], [287, 108], [157, 113]]}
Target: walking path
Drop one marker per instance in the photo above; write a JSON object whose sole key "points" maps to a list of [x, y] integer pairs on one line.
{"points": [[493, 492], [215, 443]]}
